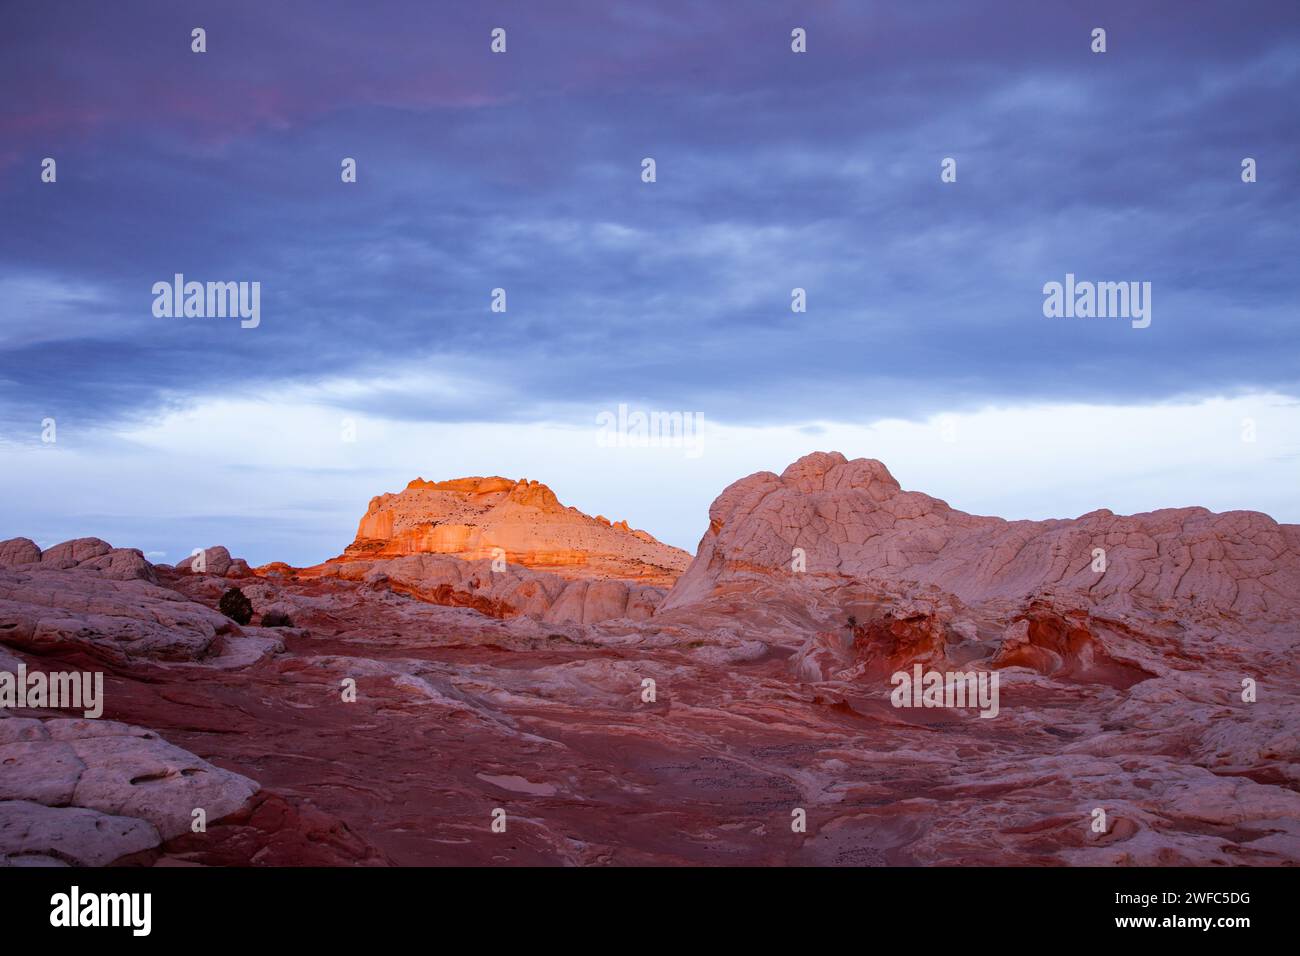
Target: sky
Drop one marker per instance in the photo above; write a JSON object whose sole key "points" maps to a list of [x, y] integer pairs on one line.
{"points": [[378, 357]]}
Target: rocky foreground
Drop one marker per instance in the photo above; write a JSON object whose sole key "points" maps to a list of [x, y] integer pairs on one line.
{"points": [[608, 711]]}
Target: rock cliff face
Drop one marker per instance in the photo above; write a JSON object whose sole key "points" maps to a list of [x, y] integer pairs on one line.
{"points": [[472, 517], [840, 519]]}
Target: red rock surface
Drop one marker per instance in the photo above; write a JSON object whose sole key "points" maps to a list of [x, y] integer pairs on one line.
{"points": [[1119, 690], [511, 591]]}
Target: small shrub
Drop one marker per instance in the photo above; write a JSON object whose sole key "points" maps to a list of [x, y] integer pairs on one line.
{"points": [[236, 606], [276, 619]]}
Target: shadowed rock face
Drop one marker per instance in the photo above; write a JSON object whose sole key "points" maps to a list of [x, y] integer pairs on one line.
{"points": [[1120, 690], [470, 517]]}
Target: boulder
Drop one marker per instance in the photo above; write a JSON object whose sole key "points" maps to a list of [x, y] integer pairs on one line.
{"points": [[18, 551], [88, 792]]}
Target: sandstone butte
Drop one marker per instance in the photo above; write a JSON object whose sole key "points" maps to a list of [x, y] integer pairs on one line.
{"points": [[1159, 686], [473, 517]]}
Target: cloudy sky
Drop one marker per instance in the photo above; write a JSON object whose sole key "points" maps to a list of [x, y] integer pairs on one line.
{"points": [[924, 342]]}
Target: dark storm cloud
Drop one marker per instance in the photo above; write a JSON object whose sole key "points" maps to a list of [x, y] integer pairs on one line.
{"points": [[522, 171]]}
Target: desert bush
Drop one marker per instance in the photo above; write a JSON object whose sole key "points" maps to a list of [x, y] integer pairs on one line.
{"points": [[236, 606], [276, 619]]}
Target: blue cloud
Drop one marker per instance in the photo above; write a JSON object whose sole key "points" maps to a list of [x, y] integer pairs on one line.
{"points": [[522, 171]]}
